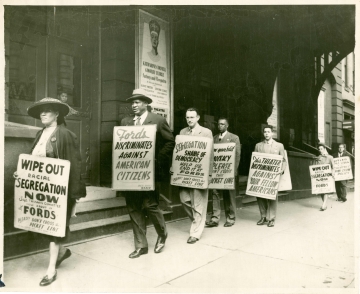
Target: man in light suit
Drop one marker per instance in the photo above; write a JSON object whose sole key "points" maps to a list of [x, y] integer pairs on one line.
{"points": [[195, 201], [141, 202], [268, 207], [228, 195], [340, 186]]}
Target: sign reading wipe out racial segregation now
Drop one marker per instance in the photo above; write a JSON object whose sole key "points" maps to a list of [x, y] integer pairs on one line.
{"points": [[191, 161], [41, 191], [133, 158], [342, 169], [322, 181], [264, 175], [223, 167]]}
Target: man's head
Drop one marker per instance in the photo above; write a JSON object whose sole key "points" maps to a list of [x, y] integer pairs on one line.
{"points": [[341, 148], [322, 148], [139, 101], [223, 124], [192, 117], [268, 132], [138, 106], [154, 33]]}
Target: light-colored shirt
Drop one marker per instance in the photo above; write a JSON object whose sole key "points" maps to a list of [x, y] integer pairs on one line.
{"points": [[142, 117], [221, 136], [191, 132], [40, 148], [267, 146]]}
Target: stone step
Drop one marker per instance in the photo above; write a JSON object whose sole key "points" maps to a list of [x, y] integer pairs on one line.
{"points": [[99, 209], [98, 193]]}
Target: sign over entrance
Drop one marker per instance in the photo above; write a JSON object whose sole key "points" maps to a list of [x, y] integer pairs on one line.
{"points": [[154, 62], [41, 191]]}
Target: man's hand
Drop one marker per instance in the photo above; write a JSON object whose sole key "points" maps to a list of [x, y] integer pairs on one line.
{"points": [[171, 171], [15, 175]]}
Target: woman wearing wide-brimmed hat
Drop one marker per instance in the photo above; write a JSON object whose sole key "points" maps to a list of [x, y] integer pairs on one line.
{"points": [[56, 141], [324, 158]]}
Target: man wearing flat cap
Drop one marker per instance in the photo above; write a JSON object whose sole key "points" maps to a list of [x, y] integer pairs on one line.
{"points": [[154, 35], [140, 203]]}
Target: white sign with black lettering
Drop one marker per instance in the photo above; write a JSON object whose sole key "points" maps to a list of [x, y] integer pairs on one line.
{"points": [[41, 191]]}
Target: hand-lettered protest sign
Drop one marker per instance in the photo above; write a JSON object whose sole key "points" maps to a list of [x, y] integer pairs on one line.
{"points": [[133, 163], [191, 161], [322, 181], [342, 169], [285, 179], [264, 175], [223, 168], [41, 191]]}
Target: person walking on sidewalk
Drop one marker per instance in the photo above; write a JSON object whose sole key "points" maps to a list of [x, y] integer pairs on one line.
{"points": [[324, 158], [56, 141], [195, 201], [228, 195], [340, 186], [140, 203], [268, 207]]}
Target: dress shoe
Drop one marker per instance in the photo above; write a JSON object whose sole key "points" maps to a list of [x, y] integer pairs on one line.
{"points": [[323, 209], [342, 200], [160, 244], [46, 281], [211, 224], [192, 240], [138, 252], [271, 223], [67, 254], [228, 224], [261, 221]]}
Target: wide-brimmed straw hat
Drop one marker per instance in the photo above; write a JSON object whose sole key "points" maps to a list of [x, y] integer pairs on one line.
{"points": [[140, 94], [35, 109]]}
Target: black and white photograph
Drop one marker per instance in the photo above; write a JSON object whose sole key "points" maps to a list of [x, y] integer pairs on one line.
{"points": [[181, 147]]}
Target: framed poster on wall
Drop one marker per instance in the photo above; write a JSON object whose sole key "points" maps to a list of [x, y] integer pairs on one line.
{"points": [[153, 59]]}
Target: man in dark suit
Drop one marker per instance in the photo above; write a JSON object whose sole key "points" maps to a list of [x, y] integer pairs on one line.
{"points": [[228, 195], [340, 186], [141, 202]]}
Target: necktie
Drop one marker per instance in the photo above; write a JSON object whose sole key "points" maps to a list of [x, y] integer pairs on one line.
{"points": [[190, 131], [137, 122], [221, 136]]}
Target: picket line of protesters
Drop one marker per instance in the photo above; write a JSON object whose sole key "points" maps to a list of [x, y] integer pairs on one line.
{"points": [[55, 141]]}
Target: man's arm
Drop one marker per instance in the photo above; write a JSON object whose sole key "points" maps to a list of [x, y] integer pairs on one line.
{"points": [[169, 141], [237, 152]]}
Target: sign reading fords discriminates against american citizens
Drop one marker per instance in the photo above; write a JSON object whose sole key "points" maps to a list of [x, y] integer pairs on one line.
{"points": [[41, 191], [223, 167], [263, 180], [133, 158], [322, 181], [342, 169], [191, 161]]}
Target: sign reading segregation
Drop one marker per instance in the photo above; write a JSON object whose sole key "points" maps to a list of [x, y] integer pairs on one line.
{"points": [[191, 161], [322, 181], [41, 191], [342, 169], [264, 175], [133, 158], [223, 167]]}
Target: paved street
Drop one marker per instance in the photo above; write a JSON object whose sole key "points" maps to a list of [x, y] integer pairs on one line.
{"points": [[306, 249]]}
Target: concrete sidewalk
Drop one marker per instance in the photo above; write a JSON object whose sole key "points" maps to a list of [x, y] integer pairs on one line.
{"points": [[306, 249]]}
